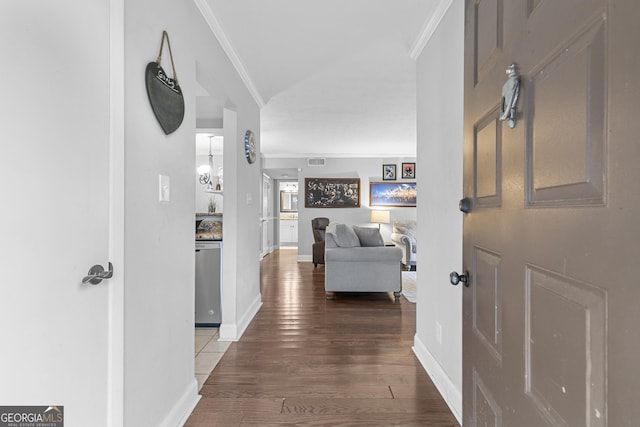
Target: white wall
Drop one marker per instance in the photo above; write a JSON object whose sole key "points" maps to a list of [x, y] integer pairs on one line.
{"points": [[241, 228], [247, 211], [160, 388], [440, 138], [159, 264], [242, 184], [367, 169]]}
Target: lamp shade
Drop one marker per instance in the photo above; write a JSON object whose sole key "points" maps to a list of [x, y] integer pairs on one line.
{"points": [[380, 217], [202, 169]]}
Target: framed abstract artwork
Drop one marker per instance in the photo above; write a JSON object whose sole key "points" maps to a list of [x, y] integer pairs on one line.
{"points": [[408, 171], [389, 172], [332, 192]]}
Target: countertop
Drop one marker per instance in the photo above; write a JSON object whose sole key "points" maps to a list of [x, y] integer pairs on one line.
{"points": [[288, 216], [209, 227]]}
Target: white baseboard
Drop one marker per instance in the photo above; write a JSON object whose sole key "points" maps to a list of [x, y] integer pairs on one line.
{"points": [[233, 332], [450, 393], [184, 406], [305, 258], [269, 250], [228, 332]]}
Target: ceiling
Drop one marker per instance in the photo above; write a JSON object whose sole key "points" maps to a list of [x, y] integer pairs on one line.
{"points": [[334, 78]]}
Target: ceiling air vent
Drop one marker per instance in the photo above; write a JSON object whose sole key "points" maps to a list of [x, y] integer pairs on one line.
{"points": [[316, 161]]}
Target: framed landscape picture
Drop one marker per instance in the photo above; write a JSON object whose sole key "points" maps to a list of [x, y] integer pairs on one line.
{"points": [[399, 194], [332, 192]]}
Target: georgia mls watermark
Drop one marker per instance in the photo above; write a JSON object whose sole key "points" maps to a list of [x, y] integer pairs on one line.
{"points": [[31, 416]]}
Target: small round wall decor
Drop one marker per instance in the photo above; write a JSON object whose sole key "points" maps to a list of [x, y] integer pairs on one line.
{"points": [[250, 146]]}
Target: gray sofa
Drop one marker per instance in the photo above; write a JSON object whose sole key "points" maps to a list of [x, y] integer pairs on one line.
{"points": [[356, 260]]}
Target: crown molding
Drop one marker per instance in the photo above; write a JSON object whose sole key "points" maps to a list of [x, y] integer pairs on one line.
{"points": [[217, 30], [338, 155], [429, 28]]}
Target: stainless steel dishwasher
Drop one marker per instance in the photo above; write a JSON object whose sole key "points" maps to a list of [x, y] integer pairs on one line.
{"points": [[208, 274]]}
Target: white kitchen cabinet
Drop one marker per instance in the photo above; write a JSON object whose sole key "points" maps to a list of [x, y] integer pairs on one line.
{"points": [[288, 231]]}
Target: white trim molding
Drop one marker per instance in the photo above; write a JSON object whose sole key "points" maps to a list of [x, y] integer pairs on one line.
{"points": [[450, 393], [429, 28], [234, 331], [183, 408], [337, 155], [228, 48], [116, 322]]}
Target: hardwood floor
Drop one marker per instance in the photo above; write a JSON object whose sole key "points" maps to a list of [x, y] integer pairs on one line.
{"points": [[309, 361]]}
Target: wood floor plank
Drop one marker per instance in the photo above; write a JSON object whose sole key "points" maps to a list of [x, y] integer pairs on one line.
{"points": [[309, 361], [410, 381], [360, 406], [351, 420], [343, 391], [240, 405]]}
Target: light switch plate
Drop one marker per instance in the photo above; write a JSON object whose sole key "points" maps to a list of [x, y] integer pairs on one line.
{"points": [[164, 188], [249, 199]]}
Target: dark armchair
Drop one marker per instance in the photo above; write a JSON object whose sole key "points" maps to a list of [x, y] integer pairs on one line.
{"points": [[318, 226]]}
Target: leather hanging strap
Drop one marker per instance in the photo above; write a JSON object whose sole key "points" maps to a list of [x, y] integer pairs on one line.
{"points": [[173, 68]]}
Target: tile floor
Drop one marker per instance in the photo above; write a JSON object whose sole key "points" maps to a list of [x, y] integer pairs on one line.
{"points": [[208, 352]]}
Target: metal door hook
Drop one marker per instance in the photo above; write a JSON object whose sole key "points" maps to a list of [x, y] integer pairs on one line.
{"points": [[510, 93], [97, 274]]}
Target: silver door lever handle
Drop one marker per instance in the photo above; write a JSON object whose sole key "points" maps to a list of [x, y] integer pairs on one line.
{"points": [[97, 274]]}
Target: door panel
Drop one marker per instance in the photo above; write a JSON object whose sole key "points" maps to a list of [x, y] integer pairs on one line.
{"points": [[54, 173], [488, 160], [565, 348], [488, 37], [532, 5], [487, 301], [567, 162], [551, 241], [487, 411]]}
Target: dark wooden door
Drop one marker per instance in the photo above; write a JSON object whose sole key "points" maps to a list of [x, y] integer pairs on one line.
{"points": [[552, 241]]}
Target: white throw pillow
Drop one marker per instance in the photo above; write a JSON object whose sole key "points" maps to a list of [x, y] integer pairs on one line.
{"points": [[408, 227]]}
